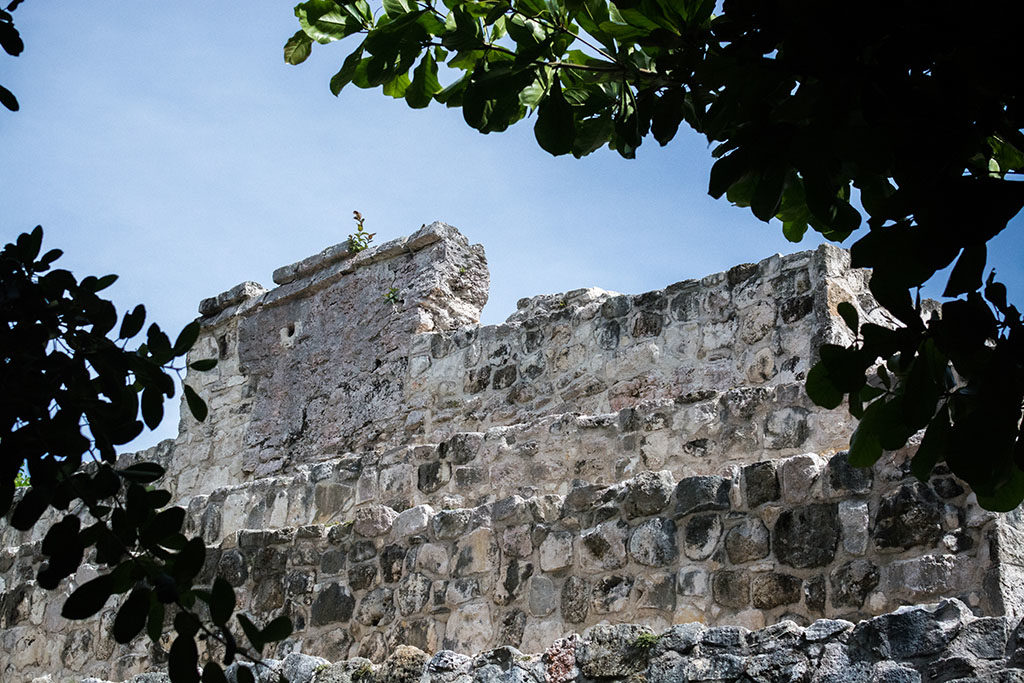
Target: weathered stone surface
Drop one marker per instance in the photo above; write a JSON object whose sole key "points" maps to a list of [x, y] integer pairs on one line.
{"points": [[909, 517], [653, 543], [807, 535], [609, 651], [575, 599], [333, 604], [852, 582], [698, 494], [604, 547], [648, 493], [760, 483], [748, 541], [701, 535], [773, 589], [731, 588], [373, 521], [909, 632]]}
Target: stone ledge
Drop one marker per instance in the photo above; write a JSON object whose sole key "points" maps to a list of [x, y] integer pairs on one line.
{"points": [[942, 641]]}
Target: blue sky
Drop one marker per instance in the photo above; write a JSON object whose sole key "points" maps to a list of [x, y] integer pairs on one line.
{"points": [[171, 144]]}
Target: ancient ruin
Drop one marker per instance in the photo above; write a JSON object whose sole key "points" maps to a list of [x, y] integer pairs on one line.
{"points": [[440, 498]]}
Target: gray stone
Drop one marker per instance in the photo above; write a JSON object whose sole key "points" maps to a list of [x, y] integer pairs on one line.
{"points": [[556, 551], [611, 594], [604, 547], [760, 483], [412, 522], [844, 478], [781, 666], [356, 670], [912, 516], [412, 594], [854, 520], [648, 493], [332, 604], [731, 588], [715, 667], [824, 629], [575, 599], [404, 665], [376, 608], [747, 541], [852, 583], [773, 589], [541, 593], [653, 543], [374, 520], [692, 581], [701, 535], [699, 494], [681, 638], [910, 631], [610, 652], [806, 536], [657, 592], [299, 668]]}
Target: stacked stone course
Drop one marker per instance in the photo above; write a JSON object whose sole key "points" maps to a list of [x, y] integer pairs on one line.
{"points": [[390, 474]]}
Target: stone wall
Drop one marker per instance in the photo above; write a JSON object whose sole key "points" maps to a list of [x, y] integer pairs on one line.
{"points": [[387, 472]]}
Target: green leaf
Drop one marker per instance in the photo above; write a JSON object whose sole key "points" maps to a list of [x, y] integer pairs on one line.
{"points": [[347, 72], [727, 171], [278, 629], [166, 523], [183, 660], [849, 315], [1007, 495], [767, 196], [222, 601], [152, 407], [196, 405], [865, 448], [89, 598], [203, 365], [187, 338], [189, 561], [395, 8], [251, 632], [8, 99], [132, 323], [298, 48], [324, 21], [424, 83], [212, 673], [933, 446], [794, 230], [131, 617], [967, 273], [143, 472], [155, 619], [821, 389], [555, 127]]}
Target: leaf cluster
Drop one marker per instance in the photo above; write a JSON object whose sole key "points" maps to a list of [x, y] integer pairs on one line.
{"points": [[915, 110], [11, 42], [75, 391]]}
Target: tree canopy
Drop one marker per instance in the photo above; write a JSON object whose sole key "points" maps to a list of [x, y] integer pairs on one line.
{"points": [[908, 112]]}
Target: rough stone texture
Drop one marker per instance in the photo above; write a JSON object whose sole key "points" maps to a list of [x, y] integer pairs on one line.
{"points": [[394, 476]]}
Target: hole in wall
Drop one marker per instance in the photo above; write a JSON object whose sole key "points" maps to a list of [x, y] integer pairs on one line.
{"points": [[222, 346], [290, 330]]}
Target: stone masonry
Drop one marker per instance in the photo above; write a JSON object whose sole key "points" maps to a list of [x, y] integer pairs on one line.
{"points": [[399, 479]]}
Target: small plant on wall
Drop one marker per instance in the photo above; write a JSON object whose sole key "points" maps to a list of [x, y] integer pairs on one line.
{"points": [[360, 239]]}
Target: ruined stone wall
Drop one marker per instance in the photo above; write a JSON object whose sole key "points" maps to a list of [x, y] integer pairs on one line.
{"points": [[387, 472]]}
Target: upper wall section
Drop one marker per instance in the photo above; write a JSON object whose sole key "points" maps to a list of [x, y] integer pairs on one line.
{"points": [[594, 352], [317, 365], [370, 351]]}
